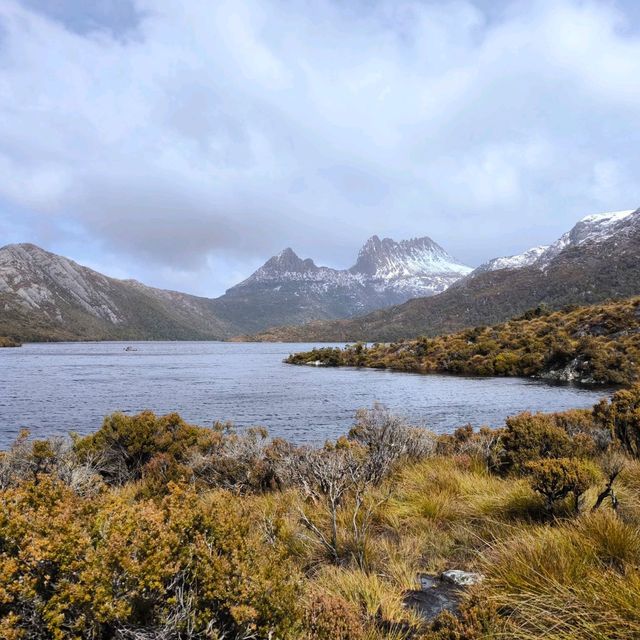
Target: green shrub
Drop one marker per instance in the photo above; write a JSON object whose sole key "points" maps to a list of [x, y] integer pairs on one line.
{"points": [[530, 437], [74, 568], [556, 478], [124, 445], [622, 416]]}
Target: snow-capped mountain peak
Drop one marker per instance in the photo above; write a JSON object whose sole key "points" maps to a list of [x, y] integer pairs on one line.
{"points": [[592, 228], [386, 273], [387, 259]]}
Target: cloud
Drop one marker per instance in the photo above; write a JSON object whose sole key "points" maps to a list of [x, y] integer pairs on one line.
{"points": [[187, 140]]}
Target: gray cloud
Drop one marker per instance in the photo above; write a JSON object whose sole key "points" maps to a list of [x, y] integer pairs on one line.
{"points": [[185, 142]]}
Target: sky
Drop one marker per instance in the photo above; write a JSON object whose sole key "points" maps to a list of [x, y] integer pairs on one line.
{"points": [[184, 142]]}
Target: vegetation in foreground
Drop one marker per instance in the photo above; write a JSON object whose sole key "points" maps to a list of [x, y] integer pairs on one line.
{"points": [[595, 344], [6, 341], [154, 528]]}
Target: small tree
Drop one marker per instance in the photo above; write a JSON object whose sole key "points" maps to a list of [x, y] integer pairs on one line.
{"points": [[528, 437], [555, 479], [341, 475], [622, 417]]}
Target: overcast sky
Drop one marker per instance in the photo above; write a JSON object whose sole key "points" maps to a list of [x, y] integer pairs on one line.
{"points": [[183, 142]]}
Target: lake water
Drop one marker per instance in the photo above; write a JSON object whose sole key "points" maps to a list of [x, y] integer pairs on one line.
{"points": [[56, 388]]}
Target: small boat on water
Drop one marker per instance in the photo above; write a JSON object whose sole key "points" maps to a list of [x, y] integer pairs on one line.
{"points": [[130, 349]]}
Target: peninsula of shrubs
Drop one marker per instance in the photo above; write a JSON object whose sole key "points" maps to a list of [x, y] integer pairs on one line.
{"points": [[5, 341], [595, 344], [152, 528]]}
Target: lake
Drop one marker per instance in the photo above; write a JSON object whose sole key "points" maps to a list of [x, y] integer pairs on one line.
{"points": [[58, 387]]}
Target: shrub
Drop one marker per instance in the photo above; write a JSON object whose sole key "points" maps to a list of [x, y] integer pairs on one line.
{"points": [[181, 566], [125, 444], [530, 437], [30, 460], [555, 479], [388, 437], [622, 417], [475, 620], [330, 617]]}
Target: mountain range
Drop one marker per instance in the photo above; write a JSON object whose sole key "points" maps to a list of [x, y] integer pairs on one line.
{"points": [[394, 290], [289, 290], [44, 296], [597, 259]]}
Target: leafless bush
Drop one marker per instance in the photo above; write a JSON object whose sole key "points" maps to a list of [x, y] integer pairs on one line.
{"points": [[241, 462], [389, 437], [481, 445], [27, 460], [612, 465], [340, 477], [180, 620]]}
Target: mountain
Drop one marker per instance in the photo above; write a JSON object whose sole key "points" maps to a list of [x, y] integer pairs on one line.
{"points": [[290, 290], [593, 228], [44, 296], [596, 260]]}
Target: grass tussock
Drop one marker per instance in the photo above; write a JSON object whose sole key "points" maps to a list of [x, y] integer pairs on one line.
{"points": [[574, 580]]}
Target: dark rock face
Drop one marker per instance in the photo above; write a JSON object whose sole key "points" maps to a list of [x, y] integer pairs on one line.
{"points": [[440, 593]]}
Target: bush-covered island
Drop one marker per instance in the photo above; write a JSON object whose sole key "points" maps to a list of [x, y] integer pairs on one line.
{"points": [[596, 344], [153, 528]]}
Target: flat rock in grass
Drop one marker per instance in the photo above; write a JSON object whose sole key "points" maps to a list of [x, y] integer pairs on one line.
{"points": [[440, 593]]}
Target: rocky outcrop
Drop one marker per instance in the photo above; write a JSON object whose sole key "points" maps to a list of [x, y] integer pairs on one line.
{"points": [[440, 593]]}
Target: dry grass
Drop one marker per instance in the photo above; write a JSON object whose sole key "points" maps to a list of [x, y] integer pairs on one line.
{"points": [[575, 580], [565, 579]]}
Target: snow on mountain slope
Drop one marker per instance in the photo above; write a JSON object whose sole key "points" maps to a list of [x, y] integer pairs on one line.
{"points": [[513, 262], [387, 260], [290, 290], [592, 228], [288, 267], [419, 265]]}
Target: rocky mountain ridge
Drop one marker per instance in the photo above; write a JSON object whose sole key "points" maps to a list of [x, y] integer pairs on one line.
{"points": [[596, 260], [44, 296], [592, 228], [288, 289]]}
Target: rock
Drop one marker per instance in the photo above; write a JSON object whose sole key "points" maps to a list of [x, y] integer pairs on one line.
{"points": [[433, 598], [440, 593], [461, 578]]}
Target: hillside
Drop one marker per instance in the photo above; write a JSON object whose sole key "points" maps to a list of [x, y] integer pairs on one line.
{"points": [[591, 263], [44, 296], [595, 344]]}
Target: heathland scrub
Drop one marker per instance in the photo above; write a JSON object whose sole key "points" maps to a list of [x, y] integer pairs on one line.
{"points": [[152, 527]]}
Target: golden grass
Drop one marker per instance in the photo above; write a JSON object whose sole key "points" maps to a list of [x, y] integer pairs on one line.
{"points": [[574, 580]]}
